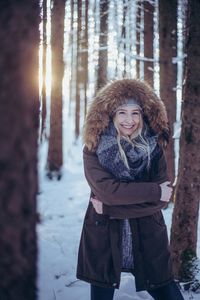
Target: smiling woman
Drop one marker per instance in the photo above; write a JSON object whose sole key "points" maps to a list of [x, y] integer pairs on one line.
{"points": [[125, 166]]}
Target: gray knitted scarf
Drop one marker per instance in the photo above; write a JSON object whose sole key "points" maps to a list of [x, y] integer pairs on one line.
{"points": [[110, 158]]}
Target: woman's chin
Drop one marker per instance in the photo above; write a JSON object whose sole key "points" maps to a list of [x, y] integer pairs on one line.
{"points": [[127, 132]]}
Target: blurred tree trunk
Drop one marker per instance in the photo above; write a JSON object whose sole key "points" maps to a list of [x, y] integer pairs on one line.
{"points": [[85, 54], [79, 69], [138, 30], [55, 155], [123, 36], [117, 28], [44, 45], [186, 209], [103, 44], [72, 44], [168, 69], [19, 118], [148, 41]]}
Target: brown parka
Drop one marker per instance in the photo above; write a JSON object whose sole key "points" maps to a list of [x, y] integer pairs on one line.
{"points": [[100, 250]]}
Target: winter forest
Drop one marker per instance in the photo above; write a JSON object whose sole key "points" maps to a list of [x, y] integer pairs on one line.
{"points": [[54, 56]]}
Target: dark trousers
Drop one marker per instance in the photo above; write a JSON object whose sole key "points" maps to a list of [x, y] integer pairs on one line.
{"points": [[169, 291], [166, 292], [101, 293]]}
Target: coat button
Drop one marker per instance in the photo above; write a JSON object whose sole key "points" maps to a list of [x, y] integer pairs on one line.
{"points": [[96, 223]]}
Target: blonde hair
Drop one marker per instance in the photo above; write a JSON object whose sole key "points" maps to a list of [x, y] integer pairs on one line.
{"points": [[143, 144]]}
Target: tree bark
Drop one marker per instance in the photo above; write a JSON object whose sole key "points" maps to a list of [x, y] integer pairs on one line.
{"points": [[73, 47], [148, 42], [118, 33], [85, 55], [168, 69], [55, 155], [43, 96], [138, 29], [186, 209], [19, 115], [79, 68], [123, 36], [103, 41]]}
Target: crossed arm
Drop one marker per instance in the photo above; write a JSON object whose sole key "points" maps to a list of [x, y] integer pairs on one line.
{"points": [[124, 199]]}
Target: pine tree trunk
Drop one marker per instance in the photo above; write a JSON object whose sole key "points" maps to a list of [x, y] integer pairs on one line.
{"points": [[116, 26], [148, 41], [55, 155], [85, 56], [19, 114], [168, 70], [73, 47], [138, 28], [186, 209], [123, 37], [103, 42], [43, 96], [79, 69]]}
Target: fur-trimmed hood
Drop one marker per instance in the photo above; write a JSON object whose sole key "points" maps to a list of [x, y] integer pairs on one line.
{"points": [[115, 94]]}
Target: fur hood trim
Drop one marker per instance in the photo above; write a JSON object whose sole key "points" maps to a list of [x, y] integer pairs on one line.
{"points": [[115, 94]]}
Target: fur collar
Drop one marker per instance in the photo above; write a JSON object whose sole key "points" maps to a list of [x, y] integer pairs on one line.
{"points": [[113, 95]]}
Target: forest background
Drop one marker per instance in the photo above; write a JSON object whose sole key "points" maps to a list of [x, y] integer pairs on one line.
{"points": [[76, 47]]}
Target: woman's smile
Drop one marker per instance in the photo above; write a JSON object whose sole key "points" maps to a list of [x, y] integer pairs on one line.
{"points": [[127, 129], [127, 126]]}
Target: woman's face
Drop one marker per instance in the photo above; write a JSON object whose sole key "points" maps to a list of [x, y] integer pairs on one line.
{"points": [[127, 119]]}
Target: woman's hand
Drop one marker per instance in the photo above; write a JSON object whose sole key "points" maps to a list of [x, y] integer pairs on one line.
{"points": [[166, 191], [97, 205]]}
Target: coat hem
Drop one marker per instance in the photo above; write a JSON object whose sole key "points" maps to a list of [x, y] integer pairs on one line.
{"points": [[155, 286], [99, 283]]}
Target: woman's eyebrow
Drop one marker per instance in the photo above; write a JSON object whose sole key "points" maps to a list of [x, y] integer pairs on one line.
{"points": [[121, 109], [134, 110]]}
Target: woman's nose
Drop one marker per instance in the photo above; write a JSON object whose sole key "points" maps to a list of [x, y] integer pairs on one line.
{"points": [[129, 119]]}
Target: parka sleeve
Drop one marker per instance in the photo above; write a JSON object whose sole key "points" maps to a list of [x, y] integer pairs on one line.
{"points": [[113, 192], [133, 210], [158, 174]]}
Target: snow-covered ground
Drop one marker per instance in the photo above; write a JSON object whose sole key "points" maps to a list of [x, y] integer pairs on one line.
{"points": [[62, 205]]}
